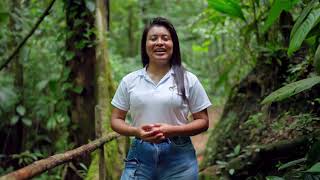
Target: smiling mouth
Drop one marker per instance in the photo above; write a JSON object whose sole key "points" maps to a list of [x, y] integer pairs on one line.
{"points": [[160, 51]]}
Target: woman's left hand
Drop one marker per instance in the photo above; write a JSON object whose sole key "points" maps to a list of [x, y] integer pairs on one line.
{"points": [[167, 129]]}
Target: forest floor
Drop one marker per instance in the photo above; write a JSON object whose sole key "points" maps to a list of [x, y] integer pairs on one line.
{"points": [[200, 141]]}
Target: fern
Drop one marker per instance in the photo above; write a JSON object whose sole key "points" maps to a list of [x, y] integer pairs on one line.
{"points": [[291, 89]]}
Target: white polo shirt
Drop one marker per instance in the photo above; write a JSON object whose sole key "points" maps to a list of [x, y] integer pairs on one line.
{"points": [[159, 103]]}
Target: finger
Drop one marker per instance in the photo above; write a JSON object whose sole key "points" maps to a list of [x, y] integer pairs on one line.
{"points": [[146, 134], [157, 124], [156, 137], [147, 127]]}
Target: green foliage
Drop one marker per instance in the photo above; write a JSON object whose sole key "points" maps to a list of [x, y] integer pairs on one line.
{"points": [[303, 121], [314, 169], [316, 60], [236, 151], [292, 163], [255, 120], [4, 12], [274, 178], [229, 7], [303, 27], [27, 157], [291, 89], [8, 94], [303, 16], [275, 11]]}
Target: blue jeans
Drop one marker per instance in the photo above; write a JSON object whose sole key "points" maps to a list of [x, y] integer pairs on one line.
{"points": [[173, 158]]}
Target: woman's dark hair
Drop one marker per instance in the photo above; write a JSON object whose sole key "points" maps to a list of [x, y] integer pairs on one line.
{"points": [[175, 60]]}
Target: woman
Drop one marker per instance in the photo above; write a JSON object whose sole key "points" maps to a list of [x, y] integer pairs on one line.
{"points": [[159, 98]]}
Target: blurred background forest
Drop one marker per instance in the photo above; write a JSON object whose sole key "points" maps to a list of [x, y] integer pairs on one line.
{"points": [[259, 61]]}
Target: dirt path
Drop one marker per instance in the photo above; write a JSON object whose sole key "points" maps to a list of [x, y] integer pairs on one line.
{"points": [[199, 141]]}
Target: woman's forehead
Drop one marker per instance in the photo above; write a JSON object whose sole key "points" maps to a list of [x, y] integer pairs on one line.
{"points": [[158, 30]]}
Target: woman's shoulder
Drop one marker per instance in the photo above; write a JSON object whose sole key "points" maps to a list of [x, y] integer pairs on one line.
{"points": [[133, 75], [191, 77]]}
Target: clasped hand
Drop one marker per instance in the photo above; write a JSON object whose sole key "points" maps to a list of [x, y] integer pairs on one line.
{"points": [[154, 133]]}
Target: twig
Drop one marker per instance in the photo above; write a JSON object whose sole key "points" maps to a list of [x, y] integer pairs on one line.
{"points": [[16, 50]]}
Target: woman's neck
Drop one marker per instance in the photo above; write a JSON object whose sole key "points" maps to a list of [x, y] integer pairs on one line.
{"points": [[157, 72]]}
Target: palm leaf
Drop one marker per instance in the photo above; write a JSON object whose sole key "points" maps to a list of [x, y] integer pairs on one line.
{"points": [[303, 30], [229, 7], [291, 89]]}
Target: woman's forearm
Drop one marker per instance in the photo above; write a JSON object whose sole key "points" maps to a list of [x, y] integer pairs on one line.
{"points": [[121, 127], [193, 128]]}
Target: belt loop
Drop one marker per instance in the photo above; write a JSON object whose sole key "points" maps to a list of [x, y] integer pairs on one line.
{"points": [[141, 141], [169, 141]]}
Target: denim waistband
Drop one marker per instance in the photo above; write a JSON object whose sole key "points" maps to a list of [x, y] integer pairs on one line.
{"points": [[175, 139]]}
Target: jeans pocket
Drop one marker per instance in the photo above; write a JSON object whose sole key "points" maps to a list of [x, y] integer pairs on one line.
{"points": [[129, 172]]}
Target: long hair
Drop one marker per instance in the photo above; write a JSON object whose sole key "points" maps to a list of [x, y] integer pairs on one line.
{"points": [[175, 60]]}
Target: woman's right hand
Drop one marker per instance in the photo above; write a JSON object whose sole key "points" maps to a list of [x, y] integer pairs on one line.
{"points": [[150, 133]]}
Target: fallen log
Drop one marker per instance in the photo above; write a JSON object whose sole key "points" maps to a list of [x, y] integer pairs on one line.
{"points": [[42, 165]]}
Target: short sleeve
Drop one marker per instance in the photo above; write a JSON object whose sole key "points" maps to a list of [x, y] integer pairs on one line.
{"points": [[198, 99], [121, 98]]}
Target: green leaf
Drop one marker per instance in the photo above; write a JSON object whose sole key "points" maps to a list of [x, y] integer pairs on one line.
{"points": [[21, 110], [51, 123], [26, 121], [4, 16], [291, 89], [291, 163], [90, 5], [275, 11], [314, 169], [316, 60], [303, 30], [231, 171], [14, 119], [42, 84], [302, 17], [77, 89], [229, 7], [237, 149], [274, 178]]}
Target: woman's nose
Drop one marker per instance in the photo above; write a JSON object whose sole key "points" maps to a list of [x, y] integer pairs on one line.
{"points": [[159, 41]]}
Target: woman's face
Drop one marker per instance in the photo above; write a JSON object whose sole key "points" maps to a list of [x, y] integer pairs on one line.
{"points": [[159, 45]]}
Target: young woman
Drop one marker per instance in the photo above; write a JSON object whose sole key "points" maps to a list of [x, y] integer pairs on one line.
{"points": [[159, 98]]}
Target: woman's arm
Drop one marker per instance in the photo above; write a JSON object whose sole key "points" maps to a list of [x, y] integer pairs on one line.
{"points": [[147, 132], [198, 125]]}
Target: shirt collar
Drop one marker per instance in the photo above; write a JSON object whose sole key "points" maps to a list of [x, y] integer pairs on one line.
{"points": [[143, 71]]}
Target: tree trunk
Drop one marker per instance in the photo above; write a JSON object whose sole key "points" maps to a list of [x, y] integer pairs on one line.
{"points": [[103, 93], [80, 42]]}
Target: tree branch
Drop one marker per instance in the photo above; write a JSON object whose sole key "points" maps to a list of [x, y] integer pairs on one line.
{"points": [[16, 50], [42, 165]]}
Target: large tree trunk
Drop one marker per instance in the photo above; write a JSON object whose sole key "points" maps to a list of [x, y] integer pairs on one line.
{"points": [[104, 92], [80, 42]]}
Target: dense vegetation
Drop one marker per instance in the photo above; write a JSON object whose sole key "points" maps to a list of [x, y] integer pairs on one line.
{"points": [[242, 51]]}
